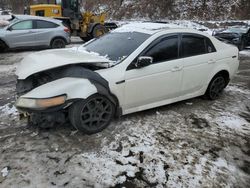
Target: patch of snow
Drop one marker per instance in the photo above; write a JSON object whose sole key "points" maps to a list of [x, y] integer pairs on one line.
{"points": [[237, 89], [231, 121], [245, 53], [117, 166], [8, 109], [3, 22], [5, 172]]}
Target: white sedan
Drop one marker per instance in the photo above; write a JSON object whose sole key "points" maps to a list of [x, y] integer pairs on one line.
{"points": [[133, 68]]}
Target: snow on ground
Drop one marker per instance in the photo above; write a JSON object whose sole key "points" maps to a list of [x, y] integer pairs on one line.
{"points": [[8, 109], [245, 52]]}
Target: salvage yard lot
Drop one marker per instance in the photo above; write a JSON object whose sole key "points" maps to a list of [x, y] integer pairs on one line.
{"points": [[193, 143]]}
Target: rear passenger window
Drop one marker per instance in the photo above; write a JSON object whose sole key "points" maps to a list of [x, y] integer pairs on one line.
{"points": [[193, 45], [166, 49], [39, 24]]}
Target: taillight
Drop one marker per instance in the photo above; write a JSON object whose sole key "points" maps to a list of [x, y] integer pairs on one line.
{"points": [[67, 30]]}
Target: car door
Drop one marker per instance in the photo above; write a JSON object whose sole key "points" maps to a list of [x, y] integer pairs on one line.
{"points": [[20, 34], [198, 55], [157, 82], [42, 32]]}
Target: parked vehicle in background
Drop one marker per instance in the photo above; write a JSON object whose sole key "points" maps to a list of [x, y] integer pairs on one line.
{"points": [[134, 68], [239, 36], [26, 31], [5, 14], [86, 25]]}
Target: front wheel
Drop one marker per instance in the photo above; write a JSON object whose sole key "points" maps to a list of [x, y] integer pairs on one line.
{"points": [[92, 115], [58, 43], [215, 88], [3, 46]]}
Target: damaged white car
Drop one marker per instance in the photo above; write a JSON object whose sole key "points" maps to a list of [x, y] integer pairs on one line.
{"points": [[133, 68]]}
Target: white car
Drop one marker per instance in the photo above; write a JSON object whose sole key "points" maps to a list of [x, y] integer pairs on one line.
{"points": [[133, 68]]}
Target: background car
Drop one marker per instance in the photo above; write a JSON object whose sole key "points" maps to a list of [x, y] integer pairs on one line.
{"points": [[239, 36], [5, 14], [133, 68], [33, 31]]}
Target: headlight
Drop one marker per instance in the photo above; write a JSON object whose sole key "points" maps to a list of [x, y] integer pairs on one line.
{"points": [[40, 103]]}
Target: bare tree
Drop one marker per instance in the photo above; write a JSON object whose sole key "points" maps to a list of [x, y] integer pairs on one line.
{"points": [[17, 6]]}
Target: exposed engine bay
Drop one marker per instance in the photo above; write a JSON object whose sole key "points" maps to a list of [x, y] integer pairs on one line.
{"points": [[40, 78]]}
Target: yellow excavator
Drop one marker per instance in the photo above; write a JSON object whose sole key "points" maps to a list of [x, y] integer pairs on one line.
{"points": [[86, 25]]}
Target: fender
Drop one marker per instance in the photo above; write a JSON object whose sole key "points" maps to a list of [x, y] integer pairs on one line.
{"points": [[219, 68], [74, 88], [7, 44]]}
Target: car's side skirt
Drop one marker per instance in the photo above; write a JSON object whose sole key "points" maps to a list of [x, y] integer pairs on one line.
{"points": [[164, 102]]}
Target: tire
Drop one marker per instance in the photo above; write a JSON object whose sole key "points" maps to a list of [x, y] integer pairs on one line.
{"points": [[58, 43], [216, 87], [98, 31], [3, 46], [92, 115]]}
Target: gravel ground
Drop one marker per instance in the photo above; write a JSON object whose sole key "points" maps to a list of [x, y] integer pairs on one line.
{"points": [[193, 143]]}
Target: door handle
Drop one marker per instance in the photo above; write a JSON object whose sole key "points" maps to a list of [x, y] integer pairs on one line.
{"points": [[176, 68], [31, 31], [211, 61]]}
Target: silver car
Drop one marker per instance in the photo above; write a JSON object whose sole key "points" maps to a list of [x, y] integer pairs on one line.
{"points": [[32, 31]]}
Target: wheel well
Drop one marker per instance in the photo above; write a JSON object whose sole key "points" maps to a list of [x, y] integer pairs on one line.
{"points": [[225, 75], [1, 41], [113, 98], [58, 38], [118, 109]]}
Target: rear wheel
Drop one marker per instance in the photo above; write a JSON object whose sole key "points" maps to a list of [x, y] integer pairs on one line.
{"points": [[92, 115], [215, 88], [58, 43], [98, 31]]}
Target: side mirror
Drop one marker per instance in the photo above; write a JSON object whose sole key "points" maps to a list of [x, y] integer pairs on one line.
{"points": [[143, 61]]}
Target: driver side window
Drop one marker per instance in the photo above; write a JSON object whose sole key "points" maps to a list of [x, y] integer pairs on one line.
{"points": [[23, 25], [165, 50]]}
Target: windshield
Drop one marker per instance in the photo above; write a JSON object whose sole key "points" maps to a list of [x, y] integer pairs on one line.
{"points": [[117, 46]]}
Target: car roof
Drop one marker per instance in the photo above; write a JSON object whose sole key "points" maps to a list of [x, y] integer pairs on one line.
{"points": [[146, 27], [152, 28], [29, 17]]}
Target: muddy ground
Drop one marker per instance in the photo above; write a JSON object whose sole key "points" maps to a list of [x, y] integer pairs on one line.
{"points": [[193, 143]]}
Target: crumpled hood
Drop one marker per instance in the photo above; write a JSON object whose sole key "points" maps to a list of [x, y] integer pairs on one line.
{"points": [[49, 59]]}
